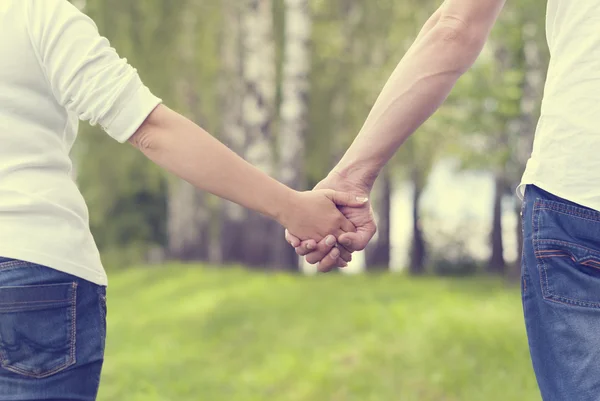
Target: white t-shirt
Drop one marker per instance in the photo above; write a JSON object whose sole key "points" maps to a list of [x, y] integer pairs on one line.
{"points": [[55, 69], [566, 151]]}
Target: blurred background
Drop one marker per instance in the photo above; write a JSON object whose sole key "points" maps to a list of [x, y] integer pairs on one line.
{"points": [[208, 302]]}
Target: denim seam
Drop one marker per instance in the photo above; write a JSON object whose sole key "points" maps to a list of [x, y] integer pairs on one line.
{"points": [[571, 212], [535, 225], [523, 260], [71, 361], [74, 323], [11, 264], [102, 305], [34, 302]]}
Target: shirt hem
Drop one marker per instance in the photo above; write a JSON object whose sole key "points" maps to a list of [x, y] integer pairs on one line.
{"points": [[556, 192], [80, 271]]}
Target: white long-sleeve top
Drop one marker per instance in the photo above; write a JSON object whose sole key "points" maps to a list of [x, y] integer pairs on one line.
{"points": [[56, 69], [565, 158]]}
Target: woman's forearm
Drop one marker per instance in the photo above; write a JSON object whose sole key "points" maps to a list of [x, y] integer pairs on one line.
{"points": [[186, 150]]}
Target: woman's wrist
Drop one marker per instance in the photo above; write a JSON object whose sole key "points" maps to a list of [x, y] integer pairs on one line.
{"points": [[282, 204]]}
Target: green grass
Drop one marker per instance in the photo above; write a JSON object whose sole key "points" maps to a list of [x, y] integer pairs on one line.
{"points": [[183, 333]]}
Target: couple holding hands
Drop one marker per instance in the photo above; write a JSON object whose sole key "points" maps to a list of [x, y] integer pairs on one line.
{"points": [[56, 69]]}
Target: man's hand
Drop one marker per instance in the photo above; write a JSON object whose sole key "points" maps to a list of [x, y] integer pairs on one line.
{"points": [[361, 217]]}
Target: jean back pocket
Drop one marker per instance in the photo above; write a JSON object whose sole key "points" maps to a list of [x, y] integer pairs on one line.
{"points": [[37, 328], [566, 241]]}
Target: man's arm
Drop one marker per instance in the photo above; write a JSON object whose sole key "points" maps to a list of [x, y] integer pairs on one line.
{"points": [[445, 49], [447, 46]]}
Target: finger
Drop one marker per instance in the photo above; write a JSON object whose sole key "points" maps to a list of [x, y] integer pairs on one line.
{"points": [[322, 250], [347, 227], [345, 255], [306, 247], [291, 239], [346, 199], [353, 241], [330, 262]]}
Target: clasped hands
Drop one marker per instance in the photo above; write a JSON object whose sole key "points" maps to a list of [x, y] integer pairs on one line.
{"points": [[334, 249]]}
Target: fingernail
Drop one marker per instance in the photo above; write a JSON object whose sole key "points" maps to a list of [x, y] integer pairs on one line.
{"points": [[334, 254], [362, 199], [330, 240], [347, 242], [309, 246], [344, 265]]}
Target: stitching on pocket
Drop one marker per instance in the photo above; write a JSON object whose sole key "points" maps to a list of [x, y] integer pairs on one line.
{"points": [[565, 243], [592, 263], [72, 357], [542, 255], [11, 264]]}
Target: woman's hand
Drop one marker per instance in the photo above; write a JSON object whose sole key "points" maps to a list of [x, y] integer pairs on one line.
{"points": [[324, 253], [315, 214]]}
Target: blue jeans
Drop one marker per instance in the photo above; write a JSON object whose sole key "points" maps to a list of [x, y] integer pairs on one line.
{"points": [[52, 334], [561, 295]]}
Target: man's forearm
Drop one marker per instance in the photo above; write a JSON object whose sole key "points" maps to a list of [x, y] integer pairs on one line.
{"points": [[421, 82]]}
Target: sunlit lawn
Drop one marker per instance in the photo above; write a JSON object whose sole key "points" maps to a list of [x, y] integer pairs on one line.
{"points": [[187, 333]]}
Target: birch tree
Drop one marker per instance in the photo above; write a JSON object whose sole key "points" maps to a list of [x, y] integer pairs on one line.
{"points": [[293, 112], [258, 108], [233, 131]]}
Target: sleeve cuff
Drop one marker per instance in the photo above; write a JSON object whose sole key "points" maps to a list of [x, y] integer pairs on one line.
{"points": [[134, 111]]}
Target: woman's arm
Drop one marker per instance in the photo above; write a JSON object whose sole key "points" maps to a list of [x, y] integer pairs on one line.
{"points": [[183, 148], [88, 78]]}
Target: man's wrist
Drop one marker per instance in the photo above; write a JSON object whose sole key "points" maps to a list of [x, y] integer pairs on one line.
{"points": [[356, 175]]}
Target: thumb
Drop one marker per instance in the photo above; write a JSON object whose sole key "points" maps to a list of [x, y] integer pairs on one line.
{"points": [[346, 199], [353, 241]]}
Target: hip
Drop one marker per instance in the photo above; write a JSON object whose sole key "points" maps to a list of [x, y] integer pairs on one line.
{"points": [[52, 333]]}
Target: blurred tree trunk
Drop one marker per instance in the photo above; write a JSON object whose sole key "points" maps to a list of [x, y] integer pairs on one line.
{"points": [[259, 74], [418, 247], [377, 254], [351, 16], [294, 114], [496, 263], [188, 223], [188, 218], [232, 215]]}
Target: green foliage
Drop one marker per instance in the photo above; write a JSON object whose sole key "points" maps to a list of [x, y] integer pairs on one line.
{"points": [[183, 333], [355, 46]]}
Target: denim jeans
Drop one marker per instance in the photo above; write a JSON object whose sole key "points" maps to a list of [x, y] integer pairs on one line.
{"points": [[561, 295], [52, 334]]}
